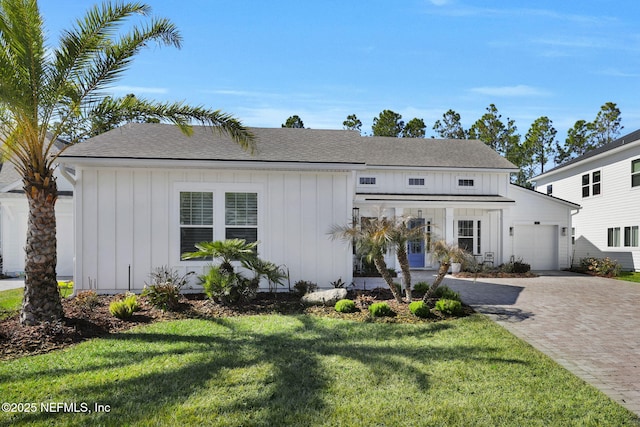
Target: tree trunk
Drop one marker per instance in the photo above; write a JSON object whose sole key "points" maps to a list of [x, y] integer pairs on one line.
{"points": [[41, 302], [381, 266], [403, 260], [442, 271]]}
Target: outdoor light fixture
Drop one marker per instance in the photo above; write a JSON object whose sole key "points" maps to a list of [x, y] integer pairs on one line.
{"points": [[510, 231], [564, 231], [355, 213]]}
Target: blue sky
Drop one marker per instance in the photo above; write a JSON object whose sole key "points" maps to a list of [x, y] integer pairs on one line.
{"points": [[264, 61]]}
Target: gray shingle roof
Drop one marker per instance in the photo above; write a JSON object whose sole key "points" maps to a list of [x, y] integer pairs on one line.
{"points": [[458, 153], [165, 141], [626, 139]]}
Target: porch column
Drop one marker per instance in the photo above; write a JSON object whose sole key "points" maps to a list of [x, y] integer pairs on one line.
{"points": [[448, 225]]}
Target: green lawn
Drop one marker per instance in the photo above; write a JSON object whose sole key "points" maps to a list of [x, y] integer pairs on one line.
{"points": [[306, 371], [11, 300], [629, 276]]}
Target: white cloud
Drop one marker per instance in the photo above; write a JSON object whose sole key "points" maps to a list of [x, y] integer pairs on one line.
{"points": [[510, 91]]}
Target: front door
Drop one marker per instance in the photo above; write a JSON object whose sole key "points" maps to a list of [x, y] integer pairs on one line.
{"points": [[416, 247]]}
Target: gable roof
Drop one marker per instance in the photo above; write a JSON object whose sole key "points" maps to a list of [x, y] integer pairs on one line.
{"points": [[420, 152], [623, 141], [166, 142]]}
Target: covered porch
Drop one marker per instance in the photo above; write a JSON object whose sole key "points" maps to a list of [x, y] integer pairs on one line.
{"points": [[476, 223]]}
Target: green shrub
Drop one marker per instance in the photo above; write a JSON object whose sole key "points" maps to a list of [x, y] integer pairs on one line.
{"points": [[164, 290], [521, 267], [420, 309], [303, 287], [124, 309], [164, 296], [380, 309], [421, 287], [449, 306], [87, 300], [345, 306], [605, 267], [228, 287], [445, 292]]}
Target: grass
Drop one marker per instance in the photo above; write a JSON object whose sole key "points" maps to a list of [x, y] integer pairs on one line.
{"points": [[306, 371], [11, 300], [629, 276]]}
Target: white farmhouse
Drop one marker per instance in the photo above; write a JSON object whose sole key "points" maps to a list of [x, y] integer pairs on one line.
{"points": [[606, 183], [145, 193], [14, 212]]}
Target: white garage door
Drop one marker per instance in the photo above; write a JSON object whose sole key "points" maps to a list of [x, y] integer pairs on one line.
{"points": [[537, 245]]}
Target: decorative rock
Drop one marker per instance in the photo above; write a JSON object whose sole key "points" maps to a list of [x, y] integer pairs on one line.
{"points": [[329, 297]]}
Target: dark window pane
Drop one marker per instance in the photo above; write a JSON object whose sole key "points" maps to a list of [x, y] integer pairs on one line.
{"points": [[585, 179], [190, 236], [596, 176], [596, 189], [248, 234], [585, 191], [635, 180], [466, 243]]}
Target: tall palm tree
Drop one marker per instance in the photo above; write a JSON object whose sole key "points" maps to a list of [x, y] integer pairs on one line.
{"points": [[401, 236], [44, 88], [372, 237]]}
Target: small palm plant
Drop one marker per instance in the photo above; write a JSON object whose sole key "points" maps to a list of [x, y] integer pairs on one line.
{"points": [[445, 253], [227, 250]]}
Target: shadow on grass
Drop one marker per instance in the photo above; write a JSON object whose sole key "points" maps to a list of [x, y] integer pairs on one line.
{"points": [[202, 354]]}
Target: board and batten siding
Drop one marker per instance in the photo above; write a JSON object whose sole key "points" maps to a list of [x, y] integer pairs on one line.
{"points": [[616, 206], [436, 182], [130, 222]]}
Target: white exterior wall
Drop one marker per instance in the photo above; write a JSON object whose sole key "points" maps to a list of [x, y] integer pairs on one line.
{"points": [[14, 214], [128, 222], [533, 210], [618, 205], [436, 182]]}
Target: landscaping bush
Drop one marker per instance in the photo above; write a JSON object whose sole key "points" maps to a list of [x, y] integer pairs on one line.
{"points": [[518, 267], [445, 292], [124, 309], [380, 309], [421, 287], [420, 309], [164, 290], [87, 300], [164, 296], [449, 306], [345, 306], [605, 267], [303, 287], [228, 287]]}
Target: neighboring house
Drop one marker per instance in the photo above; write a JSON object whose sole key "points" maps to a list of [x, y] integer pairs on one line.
{"points": [[145, 193], [14, 212], [606, 183]]}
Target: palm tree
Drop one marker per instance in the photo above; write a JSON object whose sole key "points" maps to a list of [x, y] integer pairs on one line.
{"points": [[44, 88], [401, 236], [445, 253], [227, 250], [372, 238]]}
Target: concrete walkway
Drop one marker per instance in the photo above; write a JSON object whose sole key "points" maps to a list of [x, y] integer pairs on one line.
{"points": [[589, 325], [6, 284]]}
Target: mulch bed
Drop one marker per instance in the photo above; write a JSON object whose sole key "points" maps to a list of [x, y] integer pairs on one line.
{"points": [[84, 321]]}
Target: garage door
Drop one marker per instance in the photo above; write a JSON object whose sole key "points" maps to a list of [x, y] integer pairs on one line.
{"points": [[537, 245]]}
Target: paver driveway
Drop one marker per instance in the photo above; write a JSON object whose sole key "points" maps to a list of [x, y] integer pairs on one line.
{"points": [[589, 325]]}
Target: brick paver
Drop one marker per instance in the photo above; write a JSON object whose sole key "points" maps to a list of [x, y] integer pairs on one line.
{"points": [[589, 325]]}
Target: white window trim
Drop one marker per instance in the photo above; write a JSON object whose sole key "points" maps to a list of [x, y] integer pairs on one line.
{"points": [[219, 226], [409, 177], [632, 174], [376, 177], [467, 187]]}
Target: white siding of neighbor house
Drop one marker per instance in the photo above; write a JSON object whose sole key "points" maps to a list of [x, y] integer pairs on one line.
{"points": [[15, 212], [618, 205], [436, 182], [130, 222]]}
